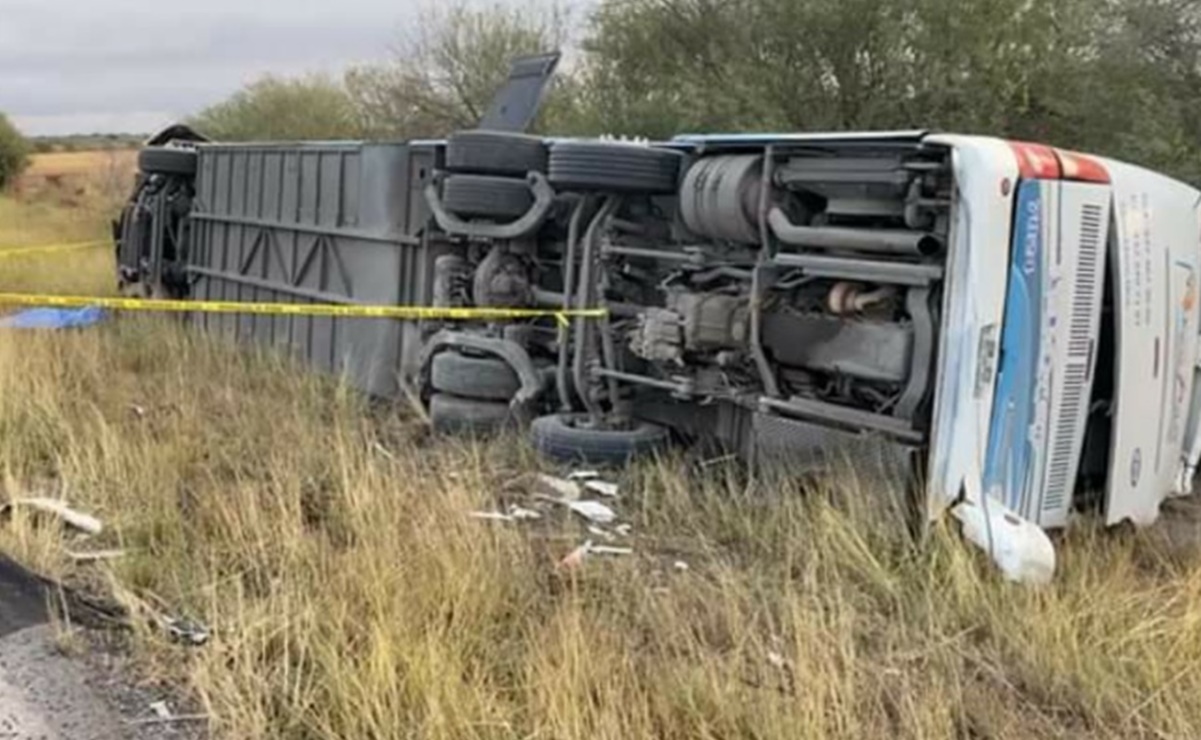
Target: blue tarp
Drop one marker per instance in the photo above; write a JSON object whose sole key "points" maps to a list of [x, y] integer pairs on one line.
{"points": [[53, 318]]}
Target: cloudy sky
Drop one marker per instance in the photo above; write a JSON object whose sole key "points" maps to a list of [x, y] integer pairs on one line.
{"points": [[75, 66]]}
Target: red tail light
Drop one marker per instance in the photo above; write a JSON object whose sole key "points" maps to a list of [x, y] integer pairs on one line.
{"points": [[1041, 162], [1081, 167], [1036, 161]]}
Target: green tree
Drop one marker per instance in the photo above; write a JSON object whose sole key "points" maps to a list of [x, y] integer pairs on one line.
{"points": [[279, 109], [817, 64], [14, 152], [1117, 77]]}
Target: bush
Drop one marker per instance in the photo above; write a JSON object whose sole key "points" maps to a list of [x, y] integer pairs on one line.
{"points": [[14, 152], [277, 109]]}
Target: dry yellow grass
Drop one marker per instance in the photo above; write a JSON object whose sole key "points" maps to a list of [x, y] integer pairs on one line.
{"points": [[35, 224], [327, 544], [61, 164], [63, 199]]}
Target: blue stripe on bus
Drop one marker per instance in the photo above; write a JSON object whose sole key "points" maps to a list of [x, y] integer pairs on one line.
{"points": [[1009, 451]]}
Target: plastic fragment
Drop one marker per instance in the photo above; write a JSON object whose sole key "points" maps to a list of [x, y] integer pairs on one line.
{"points": [[95, 555], [71, 517], [602, 533], [492, 516], [161, 709], [576, 557], [561, 487], [383, 451], [1019, 547], [604, 488], [609, 550], [514, 514], [187, 631], [593, 511], [520, 513]]}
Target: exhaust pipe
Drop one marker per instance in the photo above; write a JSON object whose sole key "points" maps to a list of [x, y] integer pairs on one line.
{"points": [[883, 241]]}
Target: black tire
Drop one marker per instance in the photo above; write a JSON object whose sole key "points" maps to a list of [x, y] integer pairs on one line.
{"points": [[495, 153], [483, 196], [466, 416], [488, 378], [613, 167], [562, 438], [157, 160]]}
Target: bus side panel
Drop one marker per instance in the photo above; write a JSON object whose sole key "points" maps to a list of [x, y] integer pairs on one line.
{"points": [[1154, 257]]}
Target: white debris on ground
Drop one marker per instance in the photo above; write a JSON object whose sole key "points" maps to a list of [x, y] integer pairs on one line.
{"points": [[73, 518], [593, 511], [576, 557], [604, 488], [162, 714], [514, 514], [600, 519], [178, 629], [521, 514], [491, 516], [608, 550], [604, 534], [559, 488], [93, 556]]}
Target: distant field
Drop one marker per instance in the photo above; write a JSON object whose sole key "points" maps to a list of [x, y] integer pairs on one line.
{"points": [[86, 164], [64, 198], [95, 182]]}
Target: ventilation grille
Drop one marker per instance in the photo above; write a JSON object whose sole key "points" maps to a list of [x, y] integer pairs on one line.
{"points": [[1087, 280], [1072, 387]]}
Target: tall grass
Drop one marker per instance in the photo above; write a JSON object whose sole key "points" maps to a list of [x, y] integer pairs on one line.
{"points": [[328, 545]]}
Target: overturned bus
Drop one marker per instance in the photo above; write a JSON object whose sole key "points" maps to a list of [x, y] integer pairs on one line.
{"points": [[1012, 326]]}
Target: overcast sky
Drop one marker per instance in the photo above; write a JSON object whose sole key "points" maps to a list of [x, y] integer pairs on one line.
{"points": [[78, 66]]}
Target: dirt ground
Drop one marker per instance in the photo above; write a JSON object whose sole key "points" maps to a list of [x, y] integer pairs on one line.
{"points": [[78, 688]]}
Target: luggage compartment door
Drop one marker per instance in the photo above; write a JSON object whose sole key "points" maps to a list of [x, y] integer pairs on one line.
{"points": [[1154, 254]]}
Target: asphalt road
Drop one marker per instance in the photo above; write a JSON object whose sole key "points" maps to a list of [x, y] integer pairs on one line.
{"points": [[43, 694], [22, 598]]}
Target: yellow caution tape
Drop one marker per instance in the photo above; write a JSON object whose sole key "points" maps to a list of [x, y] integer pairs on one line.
{"points": [[49, 249], [409, 313]]}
